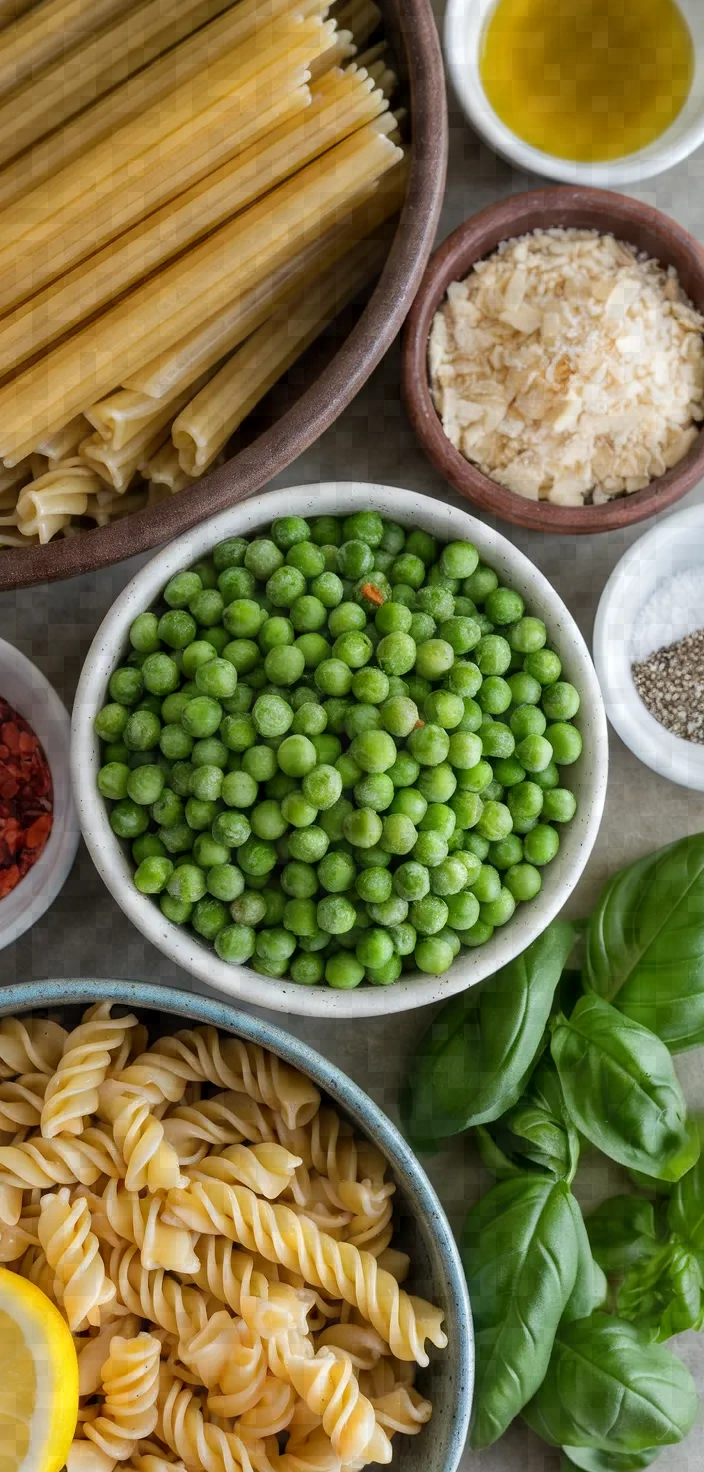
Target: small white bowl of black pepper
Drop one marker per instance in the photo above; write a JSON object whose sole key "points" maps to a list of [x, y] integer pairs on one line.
{"points": [[649, 648]]}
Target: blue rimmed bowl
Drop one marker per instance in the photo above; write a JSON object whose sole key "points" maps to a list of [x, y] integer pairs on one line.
{"points": [[422, 1227]]}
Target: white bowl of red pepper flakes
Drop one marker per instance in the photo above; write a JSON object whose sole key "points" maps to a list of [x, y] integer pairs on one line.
{"points": [[38, 824]]}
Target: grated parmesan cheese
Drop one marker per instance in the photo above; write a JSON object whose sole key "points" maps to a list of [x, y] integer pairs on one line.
{"points": [[568, 367]]}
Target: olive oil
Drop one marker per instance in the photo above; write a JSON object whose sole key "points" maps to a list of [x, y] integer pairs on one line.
{"points": [[588, 80]]}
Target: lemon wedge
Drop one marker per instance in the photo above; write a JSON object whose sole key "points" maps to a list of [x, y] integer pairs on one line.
{"points": [[38, 1379]]}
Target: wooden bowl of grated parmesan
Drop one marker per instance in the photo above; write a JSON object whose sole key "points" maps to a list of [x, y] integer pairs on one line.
{"points": [[553, 360]]}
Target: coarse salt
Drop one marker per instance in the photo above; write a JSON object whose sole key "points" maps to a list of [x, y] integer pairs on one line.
{"points": [[568, 367], [675, 609]]}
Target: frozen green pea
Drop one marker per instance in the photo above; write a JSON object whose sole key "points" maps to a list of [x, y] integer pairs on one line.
{"points": [[527, 636], [167, 808], [523, 881], [207, 782], [499, 911], [175, 743], [393, 618], [126, 685], [492, 654], [299, 880], [534, 753], [113, 780], [307, 970], [503, 606], [527, 720], [310, 719], [443, 708], [505, 852], [209, 917], [404, 938], [180, 778], [448, 877], [267, 820], [177, 911], [497, 740], [202, 716], [429, 745], [177, 838], [248, 908], [398, 834], [111, 721], [231, 828], [487, 886], [434, 658], [397, 653], [200, 814], [411, 802], [548, 778], [297, 810], [322, 786], [308, 844], [373, 885], [476, 779], [565, 741], [436, 599], [428, 915], [271, 715], [541, 845], [404, 771], [465, 750], [142, 730], [147, 846], [495, 695], [437, 784], [508, 771], [343, 971], [370, 685], [275, 632], [145, 784], [243, 654], [144, 633], [462, 910], [560, 701], [256, 857], [235, 944], [337, 872], [209, 854], [335, 914], [187, 883], [411, 880], [296, 756], [374, 790], [230, 553], [177, 628], [464, 678], [374, 948], [153, 874], [238, 732], [462, 633], [525, 690], [430, 849], [361, 827], [559, 805], [544, 666], [467, 808]]}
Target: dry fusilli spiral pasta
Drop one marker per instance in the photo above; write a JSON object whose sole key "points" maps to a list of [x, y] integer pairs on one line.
{"points": [[130, 1379], [47, 1163], [93, 1352], [72, 1092], [338, 1268], [34, 1046], [139, 1135], [73, 1251], [226, 1354]]}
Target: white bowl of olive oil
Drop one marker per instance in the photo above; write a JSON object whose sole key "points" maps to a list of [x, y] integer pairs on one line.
{"points": [[601, 92]]}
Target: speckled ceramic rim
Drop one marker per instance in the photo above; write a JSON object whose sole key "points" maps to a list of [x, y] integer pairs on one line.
{"points": [[30, 693], [358, 1105], [669, 548], [589, 775], [412, 24]]}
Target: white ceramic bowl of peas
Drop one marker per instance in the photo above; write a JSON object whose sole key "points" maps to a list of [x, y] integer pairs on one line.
{"points": [[586, 777]]}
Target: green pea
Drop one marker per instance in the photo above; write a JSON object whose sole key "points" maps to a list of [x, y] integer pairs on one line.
{"points": [[498, 740], [527, 636], [428, 915], [113, 779], [308, 844], [434, 658], [361, 827], [298, 810], [238, 732], [398, 834], [177, 911], [373, 885], [544, 666], [209, 854], [499, 911], [307, 970], [523, 881], [231, 829], [142, 730], [145, 784], [111, 721], [410, 801], [230, 553], [297, 755], [144, 633], [437, 784], [448, 877], [335, 914], [467, 808], [271, 716], [177, 628], [565, 741], [404, 771], [235, 944], [465, 679], [527, 720], [430, 849], [256, 857], [559, 805], [343, 971], [126, 685], [541, 845], [375, 790], [462, 910]]}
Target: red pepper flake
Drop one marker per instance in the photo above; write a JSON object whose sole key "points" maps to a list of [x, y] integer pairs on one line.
{"points": [[370, 591], [26, 798], [418, 725]]}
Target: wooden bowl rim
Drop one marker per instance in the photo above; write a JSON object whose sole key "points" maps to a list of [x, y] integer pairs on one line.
{"points": [[333, 389], [478, 236]]}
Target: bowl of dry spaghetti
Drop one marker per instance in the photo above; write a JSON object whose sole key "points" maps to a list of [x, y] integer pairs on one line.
{"points": [[254, 1246], [213, 220]]}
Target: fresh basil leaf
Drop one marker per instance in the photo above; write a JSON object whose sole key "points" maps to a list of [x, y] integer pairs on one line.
{"points": [[520, 1253], [685, 1211], [645, 943], [473, 1062], [608, 1388], [588, 1460], [665, 1295], [537, 1134], [591, 1289], [622, 1091], [622, 1232]]}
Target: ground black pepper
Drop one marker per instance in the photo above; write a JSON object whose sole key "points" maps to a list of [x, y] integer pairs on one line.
{"points": [[671, 684]]}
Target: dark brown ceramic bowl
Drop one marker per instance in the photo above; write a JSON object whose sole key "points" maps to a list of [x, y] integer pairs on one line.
{"points": [[574, 207], [327, 379]]}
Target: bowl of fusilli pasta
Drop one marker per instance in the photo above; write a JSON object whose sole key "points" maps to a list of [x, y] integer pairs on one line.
{"points": [[226, 1222]]}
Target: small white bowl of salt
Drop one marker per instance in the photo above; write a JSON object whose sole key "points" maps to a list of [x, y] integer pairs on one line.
{"points": [[649, 648]]}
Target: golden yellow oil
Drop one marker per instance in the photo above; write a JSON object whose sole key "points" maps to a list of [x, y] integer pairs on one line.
{"points": [[588, 80]]}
